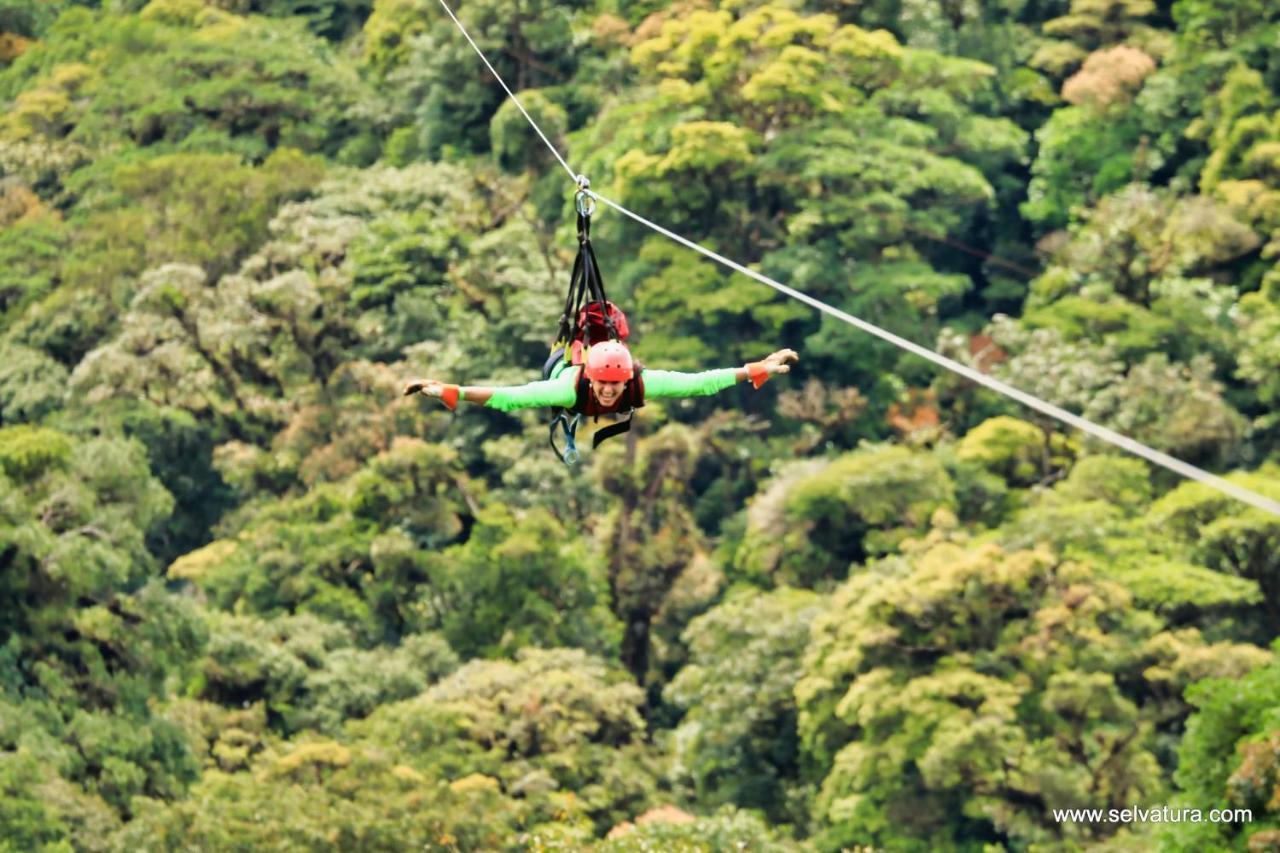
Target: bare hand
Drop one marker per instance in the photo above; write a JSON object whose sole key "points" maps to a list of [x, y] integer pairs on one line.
{"points": [[776, 362], [427, 387]]}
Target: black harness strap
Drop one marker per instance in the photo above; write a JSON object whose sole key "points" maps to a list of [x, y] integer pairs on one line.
{"points": [[560, 417], [585, 287], [612, 429]]}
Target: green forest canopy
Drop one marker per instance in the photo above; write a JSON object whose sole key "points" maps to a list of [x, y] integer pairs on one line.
{"points": [[254, 599]]}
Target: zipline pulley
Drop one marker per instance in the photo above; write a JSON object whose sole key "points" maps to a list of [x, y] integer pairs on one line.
{"points": [[584, 201]]}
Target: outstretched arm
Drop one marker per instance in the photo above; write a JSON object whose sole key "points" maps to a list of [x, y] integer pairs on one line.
{"points": [[670, 383], [560, 391]]}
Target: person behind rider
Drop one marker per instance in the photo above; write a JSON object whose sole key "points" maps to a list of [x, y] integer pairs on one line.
{"points": [[610, 372]]}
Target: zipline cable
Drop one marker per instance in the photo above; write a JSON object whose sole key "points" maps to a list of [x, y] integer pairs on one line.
{"points": [[1130, 445], [1121, 441], [510, 94]]}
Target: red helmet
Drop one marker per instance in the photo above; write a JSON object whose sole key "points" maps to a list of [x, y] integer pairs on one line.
{"points": [[609, 361]]}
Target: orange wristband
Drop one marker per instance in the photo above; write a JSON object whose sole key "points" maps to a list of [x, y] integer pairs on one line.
{"points": [[757, 373], [449, 396]]}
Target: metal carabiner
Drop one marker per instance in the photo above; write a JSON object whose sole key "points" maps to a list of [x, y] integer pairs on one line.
{"points": [[569, 455]]}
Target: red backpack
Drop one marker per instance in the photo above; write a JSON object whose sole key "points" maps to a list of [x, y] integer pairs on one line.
{"points": [[593, 327]]}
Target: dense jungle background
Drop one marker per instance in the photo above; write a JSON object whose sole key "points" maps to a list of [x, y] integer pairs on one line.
{"points": [[251, 598]]}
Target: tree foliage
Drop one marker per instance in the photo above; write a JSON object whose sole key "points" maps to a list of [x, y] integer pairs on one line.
{"points": [[738, 741], [994, 686], [253, 597]]}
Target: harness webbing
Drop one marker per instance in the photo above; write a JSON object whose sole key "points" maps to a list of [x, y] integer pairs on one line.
{"points": [[585, 286]]}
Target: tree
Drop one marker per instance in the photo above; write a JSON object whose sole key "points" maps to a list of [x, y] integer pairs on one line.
{"points": [[1138, 242], [806, 145], [309, 674], [325, 795], [351, 552], [1083, 155], [29, 247], [445, 98], [1225, 24], [1108, 77], [183, 73], [191, 208], [206, 210], [89, 642], [651, 536], [1223, 761], [672, 829], [959, 694], [1225, 535], [32, 385], [1179, 410], [521, 581], [819, 518], [1101, 21], [333, 19], [737, 742], [556, 727], [1099, 513], [1259, 320], [292, 349], [1013, 449]]}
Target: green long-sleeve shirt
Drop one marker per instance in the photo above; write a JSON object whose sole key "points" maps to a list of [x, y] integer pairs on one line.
{"points": [[562, 390]]}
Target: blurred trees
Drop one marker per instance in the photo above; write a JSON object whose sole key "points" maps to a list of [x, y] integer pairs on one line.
{"points": [[738, 741], [442, 100], [650, 537], [89, 643], [549, 740], [1226, 758], [181, 73], [818, 518], [993, 686], [330, 552]]}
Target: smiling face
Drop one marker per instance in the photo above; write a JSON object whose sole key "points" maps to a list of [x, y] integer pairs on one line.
{"points": [[608, 393]]}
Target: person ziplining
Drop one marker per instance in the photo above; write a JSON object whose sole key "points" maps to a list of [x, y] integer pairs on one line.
{"points": [[780, 358], [610, 382], [591, 372]]}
